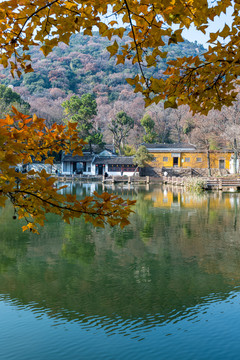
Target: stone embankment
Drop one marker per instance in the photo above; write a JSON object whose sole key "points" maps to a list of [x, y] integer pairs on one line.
{"points": [[208, 183], [110, 179]]}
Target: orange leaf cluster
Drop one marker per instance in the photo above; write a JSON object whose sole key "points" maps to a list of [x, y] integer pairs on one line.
{"points": [[34, 194]]}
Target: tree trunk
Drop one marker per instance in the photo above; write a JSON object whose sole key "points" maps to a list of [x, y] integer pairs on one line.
{"points": [[235, 156], [118, 146], [209, 164], [235, 159]]}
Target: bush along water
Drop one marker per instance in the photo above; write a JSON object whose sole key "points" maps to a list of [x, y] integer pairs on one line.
{"points": [[194, 185]]}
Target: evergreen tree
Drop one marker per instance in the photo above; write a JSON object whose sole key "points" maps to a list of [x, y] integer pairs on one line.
{"points": [[149, 126], [120, 127], [82, 111], [142, 156]]}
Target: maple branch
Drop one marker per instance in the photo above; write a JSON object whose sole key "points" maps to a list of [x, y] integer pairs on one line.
{"points": [[13, 41], [61, 207], [135, 42], [188, 7]]}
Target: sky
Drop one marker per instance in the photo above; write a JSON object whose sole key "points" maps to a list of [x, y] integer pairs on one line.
{"points": [[193, 35], [218, 24]]}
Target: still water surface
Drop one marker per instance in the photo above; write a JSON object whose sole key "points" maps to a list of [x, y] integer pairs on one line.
{"points": [[165, 287]]}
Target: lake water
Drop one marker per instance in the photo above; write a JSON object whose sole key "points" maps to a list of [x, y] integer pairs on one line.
{"points": [[165, 287]]}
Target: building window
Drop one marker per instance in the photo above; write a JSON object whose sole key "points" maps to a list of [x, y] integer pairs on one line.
{"points": [[113, 168], [165, 158], [66, 166], [221, 164], [199, 159], [187, 159]]}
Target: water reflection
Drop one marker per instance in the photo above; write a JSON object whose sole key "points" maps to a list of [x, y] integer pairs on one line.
{"points": [[180, 254]]}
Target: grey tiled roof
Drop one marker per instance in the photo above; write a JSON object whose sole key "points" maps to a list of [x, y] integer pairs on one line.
{"points": [[121, 160], [116, 160], [170, 147], [101, 160], [77, 158]]}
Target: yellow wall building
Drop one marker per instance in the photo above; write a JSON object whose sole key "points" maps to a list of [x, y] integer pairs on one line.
{"points": [[187, 156]]}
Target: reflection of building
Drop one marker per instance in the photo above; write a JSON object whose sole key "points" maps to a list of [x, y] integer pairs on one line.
{"points": [[168, 198], [116, 282], [186, 156]]}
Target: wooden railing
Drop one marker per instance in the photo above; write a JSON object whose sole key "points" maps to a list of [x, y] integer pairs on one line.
{"points": [[209, 183], [221, 183]]}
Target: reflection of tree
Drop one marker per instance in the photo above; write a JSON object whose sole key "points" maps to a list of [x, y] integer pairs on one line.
{"points": [[13, 242], [80, 273], [80, 246], [147, 219], [123, 236], [82, 250]]}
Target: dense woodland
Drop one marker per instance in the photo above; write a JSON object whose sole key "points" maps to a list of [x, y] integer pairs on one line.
{"points": [[84, 67]]}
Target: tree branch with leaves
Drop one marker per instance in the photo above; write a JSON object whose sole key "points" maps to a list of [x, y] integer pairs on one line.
{"points": [[203, 82], [34, 194]]}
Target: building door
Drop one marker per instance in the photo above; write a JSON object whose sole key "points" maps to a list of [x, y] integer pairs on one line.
{"points": [[74, 167], [100, 169], [221, 164], [175, 161]]}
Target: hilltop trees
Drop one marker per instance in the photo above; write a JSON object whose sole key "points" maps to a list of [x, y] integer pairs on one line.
{"points": [[9, 98], [107, 80], [149, 25]]}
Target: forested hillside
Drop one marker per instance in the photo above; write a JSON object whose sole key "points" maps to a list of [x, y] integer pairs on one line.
{"points": [[85, 67]]}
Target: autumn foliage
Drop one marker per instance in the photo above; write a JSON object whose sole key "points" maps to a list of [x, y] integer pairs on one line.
{"points": [[34, 194], [202, 82]]}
